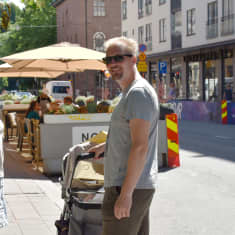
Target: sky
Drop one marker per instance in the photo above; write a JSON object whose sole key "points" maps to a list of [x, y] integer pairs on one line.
{"points": [[17, 2]]}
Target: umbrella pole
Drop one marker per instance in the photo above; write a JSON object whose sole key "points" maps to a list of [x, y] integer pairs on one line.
{"points": [[74, 85]]}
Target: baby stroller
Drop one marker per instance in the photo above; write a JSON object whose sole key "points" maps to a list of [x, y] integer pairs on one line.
{"points": [[82, 190]]}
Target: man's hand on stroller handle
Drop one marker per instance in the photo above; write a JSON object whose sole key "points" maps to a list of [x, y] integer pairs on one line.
{"points": [[98, 150]]}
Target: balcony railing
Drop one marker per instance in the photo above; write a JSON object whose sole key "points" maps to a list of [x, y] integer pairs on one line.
{"points": [[227, 25], [212, 28], [141, 13], [148, 9]]}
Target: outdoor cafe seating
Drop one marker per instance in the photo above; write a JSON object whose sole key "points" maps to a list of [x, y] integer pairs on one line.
{"points": [[33, 139]]}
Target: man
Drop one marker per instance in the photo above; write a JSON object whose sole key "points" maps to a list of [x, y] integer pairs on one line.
{"points": [[130, 161], [172, 91]]}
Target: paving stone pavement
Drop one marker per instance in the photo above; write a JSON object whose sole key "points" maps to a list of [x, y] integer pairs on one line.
{"points": [[33, 200]]}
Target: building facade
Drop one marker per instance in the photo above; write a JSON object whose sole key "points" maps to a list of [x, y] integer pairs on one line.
{"points": [[189, 43], [88, 23]]}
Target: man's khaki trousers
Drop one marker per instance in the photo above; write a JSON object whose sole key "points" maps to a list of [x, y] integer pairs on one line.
{"points": [[137, 223]]}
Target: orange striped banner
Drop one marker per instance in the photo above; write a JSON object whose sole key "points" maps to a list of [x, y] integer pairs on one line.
{"points": [[172, 140], [224, 113]]}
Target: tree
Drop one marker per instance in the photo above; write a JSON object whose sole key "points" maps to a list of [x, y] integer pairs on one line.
{"points": [[3, 83], [35, 26], [5, 12], [32, 27]]}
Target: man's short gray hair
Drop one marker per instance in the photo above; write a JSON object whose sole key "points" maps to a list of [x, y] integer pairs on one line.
{"points": [[127, 45]]}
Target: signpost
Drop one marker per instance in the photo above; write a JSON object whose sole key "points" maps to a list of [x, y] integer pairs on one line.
{"points": [[142, 65], [162, 67]]}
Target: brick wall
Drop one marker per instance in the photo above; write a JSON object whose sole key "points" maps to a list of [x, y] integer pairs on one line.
{"points": [[73, 26]]}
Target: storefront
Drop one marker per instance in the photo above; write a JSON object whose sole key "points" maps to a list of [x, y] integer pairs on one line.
{"points": [[176, 76], [202, 77]]}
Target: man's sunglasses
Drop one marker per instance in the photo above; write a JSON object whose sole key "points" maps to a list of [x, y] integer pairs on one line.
{"points": [[117, 58]]}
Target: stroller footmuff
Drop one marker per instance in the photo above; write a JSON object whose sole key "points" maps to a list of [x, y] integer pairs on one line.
{"points": [[82, 191], [84, 221]]}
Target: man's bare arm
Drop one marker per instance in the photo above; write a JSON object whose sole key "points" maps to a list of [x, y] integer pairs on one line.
{"points": [[136, 161]]}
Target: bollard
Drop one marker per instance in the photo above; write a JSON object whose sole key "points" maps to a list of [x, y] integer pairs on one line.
{"points": [[224, 112], [172, 140]]}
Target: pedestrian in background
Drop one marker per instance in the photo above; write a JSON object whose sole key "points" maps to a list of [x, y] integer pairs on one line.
{"points": [[3, 213], [44, 101], [33, 111], [130, 159], [172, 91], [228, 92]]}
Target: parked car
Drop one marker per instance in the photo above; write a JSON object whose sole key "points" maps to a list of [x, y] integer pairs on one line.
{"points": [[58, 89]]}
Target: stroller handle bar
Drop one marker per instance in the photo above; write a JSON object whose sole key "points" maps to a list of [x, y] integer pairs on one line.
{"points": [[85, 156]]}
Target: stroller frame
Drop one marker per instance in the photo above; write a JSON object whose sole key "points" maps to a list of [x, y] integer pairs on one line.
{"points": [[81, 214]]}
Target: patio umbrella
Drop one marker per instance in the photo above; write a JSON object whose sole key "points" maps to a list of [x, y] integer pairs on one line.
{"points": [[64, 56], [6, 70]]}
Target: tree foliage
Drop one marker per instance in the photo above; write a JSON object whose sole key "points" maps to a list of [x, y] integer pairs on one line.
{"points": [[3, 82], [32, 27]]}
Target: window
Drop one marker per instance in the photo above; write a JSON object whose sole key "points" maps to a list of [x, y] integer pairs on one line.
{"points": [[140, 8], [60, 89], [162, 30], [98, 8], [141, 34], [227, 8], [212, 12], [161, 2], [124, 10], [98, 41], [191, 22], [227, 20], [176, 29], [125, 34], [228, 74], [148, 36], [148, 32], [211, 88], [212, 23], [148, 7], [176, 77], [194, 81]]}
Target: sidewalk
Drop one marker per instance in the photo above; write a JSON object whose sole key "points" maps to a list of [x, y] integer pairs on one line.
{"points": [[33, 201]]}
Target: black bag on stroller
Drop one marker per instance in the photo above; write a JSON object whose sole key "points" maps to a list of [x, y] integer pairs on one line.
{"points": [[82, 191], [62, 226]]}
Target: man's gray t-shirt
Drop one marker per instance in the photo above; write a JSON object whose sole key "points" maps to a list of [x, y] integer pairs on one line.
{"points": [[139, 101]]}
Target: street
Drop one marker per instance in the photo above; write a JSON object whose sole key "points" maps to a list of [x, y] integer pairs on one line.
{"points": [[198, 197]]}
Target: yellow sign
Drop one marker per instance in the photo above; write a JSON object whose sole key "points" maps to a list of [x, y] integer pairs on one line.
{"points": [[79, 117], [142, 56], [142, 66]]}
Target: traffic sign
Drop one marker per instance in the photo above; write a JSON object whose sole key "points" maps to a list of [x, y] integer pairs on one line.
{"points": [[142, 66], [142, 47], [142, 56], [162, 67]]}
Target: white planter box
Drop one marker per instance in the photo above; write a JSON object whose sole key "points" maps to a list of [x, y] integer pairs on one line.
{"points": [[76, 118]]}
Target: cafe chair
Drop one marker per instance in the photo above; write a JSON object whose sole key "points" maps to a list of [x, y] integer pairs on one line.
{"points": [[33, 136], [21, 134], [11, 123], [36, 142]]}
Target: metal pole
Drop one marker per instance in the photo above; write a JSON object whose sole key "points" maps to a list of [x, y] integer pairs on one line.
{"points": [[86, 36], [86, 41]]}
